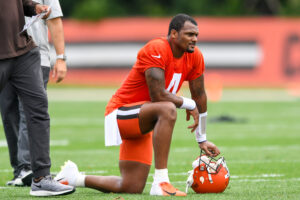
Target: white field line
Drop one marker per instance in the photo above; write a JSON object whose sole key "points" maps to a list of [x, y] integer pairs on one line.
{"points": [[228, 95], [239, 162], [174, 174], [234, 181], [52, 143], [86, 172], [5, 188], [245, 180], [234, 177], [263, 161], [258, 176], [5, 170], [78, 121], [241, 148], [75, 121], [102, 172]]}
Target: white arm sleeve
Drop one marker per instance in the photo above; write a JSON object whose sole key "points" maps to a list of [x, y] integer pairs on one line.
{"points": [[201, 129]]}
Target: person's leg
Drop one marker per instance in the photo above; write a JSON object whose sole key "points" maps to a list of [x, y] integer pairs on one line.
{"points": [[160, 117], [133, 179], [24, 167], [135, 153], [6, 67], [27, 79], [9, 112], [10, 119], [46, 72], [23, 141]]}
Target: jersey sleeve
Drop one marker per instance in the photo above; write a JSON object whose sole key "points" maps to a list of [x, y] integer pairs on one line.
{"points": [[153, 54], [55, 9], [198, 65]]}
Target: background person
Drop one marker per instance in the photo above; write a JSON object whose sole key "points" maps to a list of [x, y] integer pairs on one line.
{"points": [[20, 66], [12, 111]]}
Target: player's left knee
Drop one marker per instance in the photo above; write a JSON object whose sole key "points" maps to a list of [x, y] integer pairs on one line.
{"points": [[169, 111]]}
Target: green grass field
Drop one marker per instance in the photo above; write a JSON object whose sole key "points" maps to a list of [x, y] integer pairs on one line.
{"points": [[262, 148]]}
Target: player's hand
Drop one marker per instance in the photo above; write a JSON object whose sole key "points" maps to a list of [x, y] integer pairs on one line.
{"points": [[195, 114], [43, 8], [59, 70], [210, 148]]}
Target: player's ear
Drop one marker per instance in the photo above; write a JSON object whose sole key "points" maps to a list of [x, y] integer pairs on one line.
{"points": [[174, 34]]}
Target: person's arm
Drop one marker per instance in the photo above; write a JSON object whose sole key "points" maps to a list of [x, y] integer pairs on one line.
{"points": [[155, 78], [199, 96], [198, 93], [57, 34]]}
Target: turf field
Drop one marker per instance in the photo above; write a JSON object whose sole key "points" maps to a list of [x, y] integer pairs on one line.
{"points": [[260, 141]]}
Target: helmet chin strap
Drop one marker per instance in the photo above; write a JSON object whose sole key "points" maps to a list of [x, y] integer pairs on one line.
{"points": [[209, 177], [189, 181]]}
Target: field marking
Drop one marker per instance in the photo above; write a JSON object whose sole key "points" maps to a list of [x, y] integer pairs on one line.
{"points": [[234, 181], [52, 143], [263, 161], [175, 174], [258, 176], [77, 121], [229, 162], [5, 170], [4, 188], [245, 180], [240, 148], [233, 176], [228, 95], [74, 121]]}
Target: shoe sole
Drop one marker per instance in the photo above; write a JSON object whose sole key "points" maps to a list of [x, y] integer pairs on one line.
{"points": [[45, 193], [10, 183]]}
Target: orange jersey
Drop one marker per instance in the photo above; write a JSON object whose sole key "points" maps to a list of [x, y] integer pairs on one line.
{"points": [[157, 53]]}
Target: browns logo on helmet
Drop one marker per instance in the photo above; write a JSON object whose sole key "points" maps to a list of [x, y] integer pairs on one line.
{"points": [[209, 175]]}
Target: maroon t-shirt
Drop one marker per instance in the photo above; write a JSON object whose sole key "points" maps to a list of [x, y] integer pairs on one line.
{"points": [[12, 43]]}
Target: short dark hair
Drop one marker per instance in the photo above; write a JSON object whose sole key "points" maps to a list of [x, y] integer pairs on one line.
{"points": [[178, 21]]}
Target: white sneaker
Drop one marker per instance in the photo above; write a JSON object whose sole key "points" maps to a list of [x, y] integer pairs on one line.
{"points": [[18, 182], [23, 179], [68, 174], [11, 182], [165, 189]]}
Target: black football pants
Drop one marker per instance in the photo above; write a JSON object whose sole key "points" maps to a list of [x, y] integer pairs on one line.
{"points": [[25, 75]]}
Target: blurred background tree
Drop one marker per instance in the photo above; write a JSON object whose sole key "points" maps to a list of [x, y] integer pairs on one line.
{"points": [[97, 9]]}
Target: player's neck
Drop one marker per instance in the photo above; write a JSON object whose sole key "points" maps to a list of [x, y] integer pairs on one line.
{"points": [[177, 52]]}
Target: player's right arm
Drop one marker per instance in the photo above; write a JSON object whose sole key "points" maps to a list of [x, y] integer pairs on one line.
{"points": [[155, 78]]}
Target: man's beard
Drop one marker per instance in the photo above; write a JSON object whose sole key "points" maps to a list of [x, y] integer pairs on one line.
{"points": [[190, 50]]}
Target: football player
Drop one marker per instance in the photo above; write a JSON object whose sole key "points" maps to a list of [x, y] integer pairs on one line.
{"points": [[141, 115]]}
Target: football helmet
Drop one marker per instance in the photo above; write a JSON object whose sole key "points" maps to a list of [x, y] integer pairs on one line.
{"points": [[209, 175]]}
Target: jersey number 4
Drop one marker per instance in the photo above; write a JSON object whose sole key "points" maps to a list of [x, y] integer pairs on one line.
{"points": [[174, 83]]}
